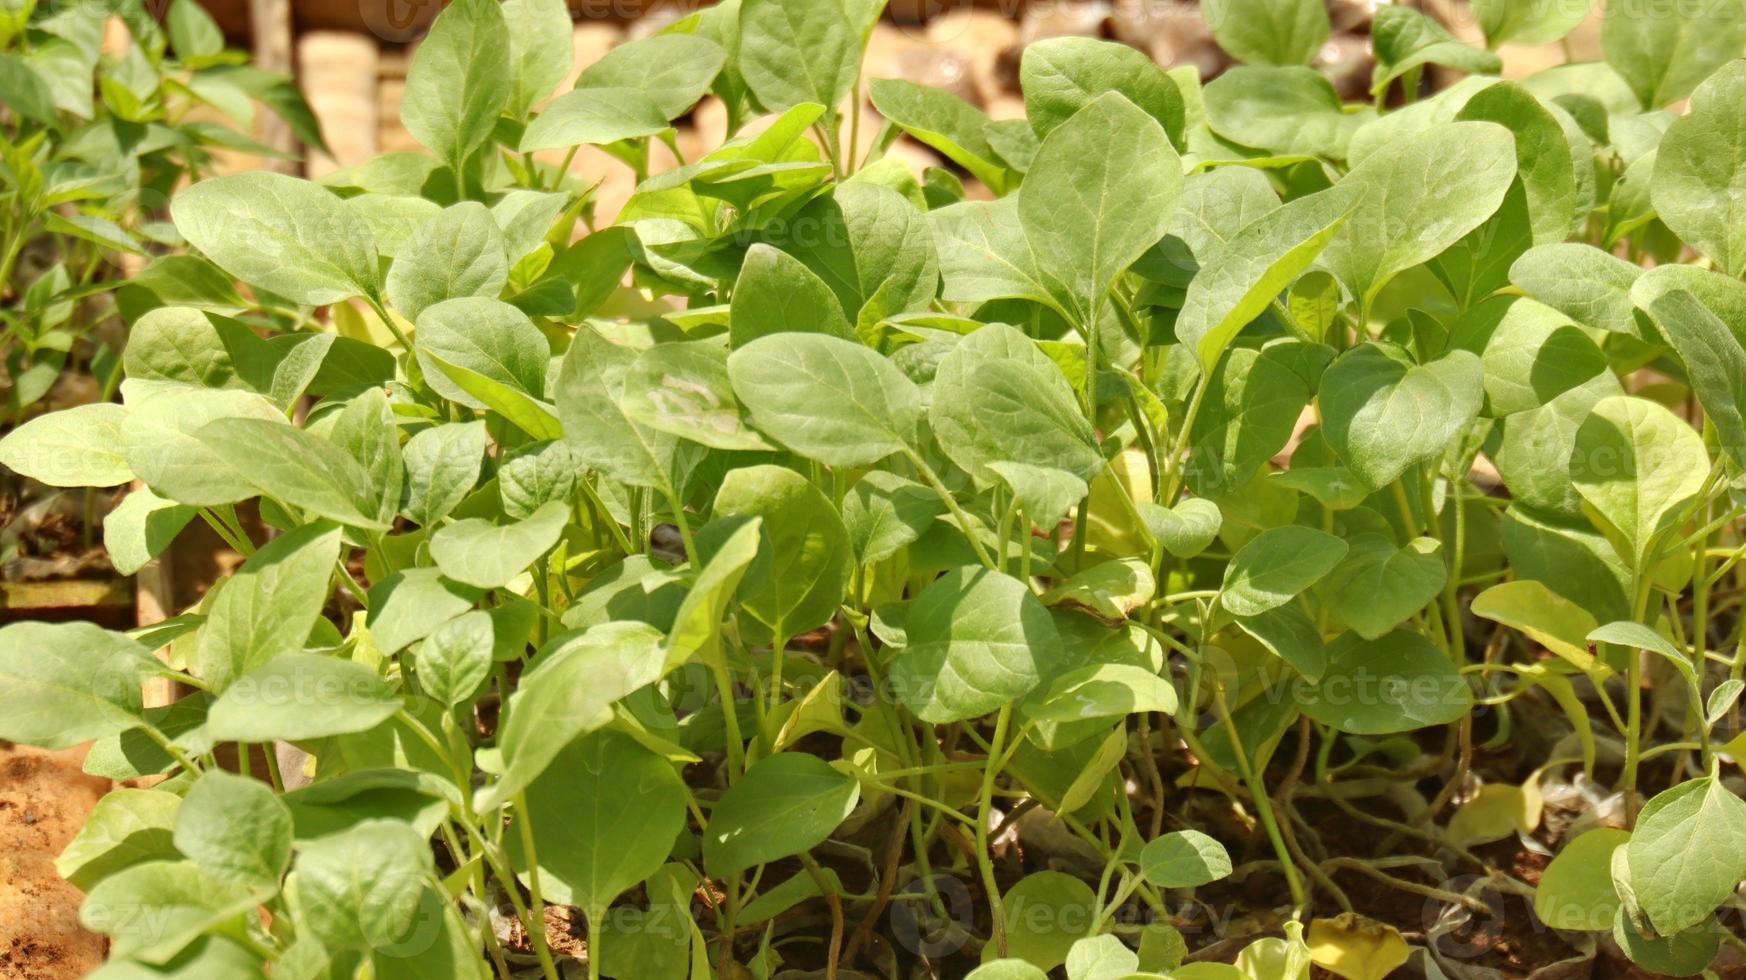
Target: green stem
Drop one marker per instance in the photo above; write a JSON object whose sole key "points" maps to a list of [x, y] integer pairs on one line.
{"points": [[1263, 802], [963, 519], [984, 859]]}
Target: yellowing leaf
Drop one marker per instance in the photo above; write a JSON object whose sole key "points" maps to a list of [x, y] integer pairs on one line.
{"points": [[1357, 948], [1498, 811]]}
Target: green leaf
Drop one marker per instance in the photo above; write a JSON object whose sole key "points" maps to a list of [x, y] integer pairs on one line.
{"points": [[281, 234], [1268, 32], [944, 121], [1417, 197], [786, 804], [697, 624], [1184, 859], [1111, 589], [459, 80], [1382, 413], [1006, 970], [267, 608], [825, 398], [1251, 407], [885, 513], [984, 254], [177, 898], [126, 827], [869, 244], [193, 33], [300, 469], [74, 447], [458, 252], [1715, 360], [569, 693], [442, 464], [1185, 530], [1379, 586], [596, 429], [683, 389], [1396, 683], [479, 553], [361, 888], [1664, 52], [1687, 854], [1684, 955], [1582, 282], [594, 116], [1529, 21], [540, 51], [604, 816], [455, 660], [1289, 634], [805, 542], [1100, 691], [1576, 889], [1530, 353], [1544, 161], [997, 398], [1276, 566], [978, 640], [1636, 465], [1547, 618], [1699, 188], [1239, 282], [673, 70], [235, 829], [1089, 217], [1101, 958], [1405, 39], [1284, 111], [66, 683], [1046, 913], [301, 696], [795, 51], [490, 339], [777, 293], [1061, 75], [1044, 493]]}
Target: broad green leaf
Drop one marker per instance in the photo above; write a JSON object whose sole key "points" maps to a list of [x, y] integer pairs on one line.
{"points": [[1715, 360], [777, 293], [1684, 955], [795, 51], [235, 829], [869, 244], [1379, 586], [1529, 21], [1534, 455], [1416, 198], [1046, 913], [301, 696], [1184, 859], [784, 805], [1687, 854], [540, 51], [1286, 111], [1582, 282], [1111, 589], [486, 337], [805, 541], [66, 683], [455, 660], [984, 254], [295, 467], [267, 608], [176, 897], [1665, 52], [997, 398], [673, 70], [569, 693], [1103, 957], [1576, 889], [1186, 529], [1289, 634], [1061, 75], [1276, 566], [1251, 407], [1549, 619], [1530, 353], [1405, 40], [1240, 281], [826, 398], [978, 640], [1089, 217], [1699, 188], [944, 121], [479, 553], [281, 234], [361, 888], [1382, 413], [604, 816], [458, 252], [74, 447], [1101, 691], [1636, 465], [697, 624], [534, 476], [1217, 204], [1268, 32], [1006, 970], [683, 389], [1396, 683], [594, 116], [885, 513], [442, 464], [596, 429], [1044, 493], [1544, 162], [407, 605], [459, 80], [126, 827]]}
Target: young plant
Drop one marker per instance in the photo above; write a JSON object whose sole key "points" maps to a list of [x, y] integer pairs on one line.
{"points": [[748, 571]]}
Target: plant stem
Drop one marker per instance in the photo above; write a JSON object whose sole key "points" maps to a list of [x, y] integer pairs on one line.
{"points": [[984, 858], [1263, 802]]}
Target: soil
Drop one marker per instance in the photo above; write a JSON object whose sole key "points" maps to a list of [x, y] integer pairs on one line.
{"points": [[44, 799]]}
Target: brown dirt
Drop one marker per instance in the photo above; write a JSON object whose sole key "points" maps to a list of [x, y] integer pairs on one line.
{"points": [[44, 798]]}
